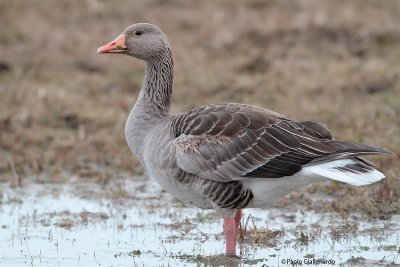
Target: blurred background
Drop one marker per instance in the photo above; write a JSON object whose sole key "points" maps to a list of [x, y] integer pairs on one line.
{"points": [[71, 193], [63, 107]]}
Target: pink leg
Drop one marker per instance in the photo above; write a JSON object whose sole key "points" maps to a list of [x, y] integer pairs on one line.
{"points": [[230, 235], [238, 217], [231, 226]]}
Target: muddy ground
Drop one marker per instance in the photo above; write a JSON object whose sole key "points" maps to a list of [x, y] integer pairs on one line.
{"points": [[88, 225]]}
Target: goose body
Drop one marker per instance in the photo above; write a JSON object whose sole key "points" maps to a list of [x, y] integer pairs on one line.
{"points": [[227, 156]]}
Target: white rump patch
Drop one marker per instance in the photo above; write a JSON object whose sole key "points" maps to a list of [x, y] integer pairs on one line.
{"points": [[334, 170]]}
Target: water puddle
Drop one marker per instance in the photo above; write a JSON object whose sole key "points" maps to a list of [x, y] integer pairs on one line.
{"points": [[138, 224]]}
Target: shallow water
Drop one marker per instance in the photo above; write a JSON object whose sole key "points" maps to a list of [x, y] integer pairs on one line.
{"points": [[137, 224]]}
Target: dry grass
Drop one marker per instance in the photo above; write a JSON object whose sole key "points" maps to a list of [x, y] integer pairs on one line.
{"points": [[63, 107], [248, 232]]}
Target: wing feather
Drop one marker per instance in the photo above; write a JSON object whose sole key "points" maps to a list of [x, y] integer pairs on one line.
{"points": [[235, 141]]}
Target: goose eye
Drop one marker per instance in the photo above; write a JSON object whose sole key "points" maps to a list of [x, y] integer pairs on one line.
{"points": [[138, 33]]}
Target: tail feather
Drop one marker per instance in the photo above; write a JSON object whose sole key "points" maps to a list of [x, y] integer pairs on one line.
{"points": [[354, 171], [347, 150], [361, 149]]}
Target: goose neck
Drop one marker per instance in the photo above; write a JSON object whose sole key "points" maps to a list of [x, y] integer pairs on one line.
{"points": [[156, 91]]}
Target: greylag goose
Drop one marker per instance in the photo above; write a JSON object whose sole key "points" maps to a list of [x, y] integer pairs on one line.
{"points": [[227, 157]]}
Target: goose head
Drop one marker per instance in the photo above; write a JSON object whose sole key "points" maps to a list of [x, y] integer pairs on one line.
{"points": [[142, 40]]}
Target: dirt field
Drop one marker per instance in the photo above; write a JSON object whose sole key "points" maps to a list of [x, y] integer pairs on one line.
{"points": [[63, 107]]}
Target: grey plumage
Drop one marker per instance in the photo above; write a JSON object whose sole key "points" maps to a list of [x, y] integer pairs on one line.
{"points": [[229, 142], [228, 156]]}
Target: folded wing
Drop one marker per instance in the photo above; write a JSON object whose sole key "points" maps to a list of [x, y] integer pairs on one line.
{"points": [[235, 141]]}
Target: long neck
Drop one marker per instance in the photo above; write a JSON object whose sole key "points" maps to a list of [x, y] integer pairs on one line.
{"points": [[155, 95]]}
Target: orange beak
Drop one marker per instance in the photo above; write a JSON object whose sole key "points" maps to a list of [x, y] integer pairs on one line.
{"points": [[115, 46]]}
